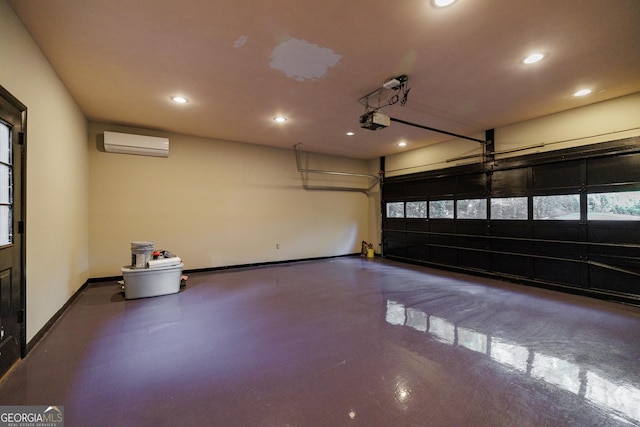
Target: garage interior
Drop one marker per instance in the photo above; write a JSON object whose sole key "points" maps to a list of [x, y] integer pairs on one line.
{"points": [[487, 157]]}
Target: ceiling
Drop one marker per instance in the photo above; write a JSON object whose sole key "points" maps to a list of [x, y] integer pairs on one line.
{"points": [[240, 63]]}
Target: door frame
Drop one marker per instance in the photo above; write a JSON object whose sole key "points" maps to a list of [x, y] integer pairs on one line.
{"points": [[20, 155]]}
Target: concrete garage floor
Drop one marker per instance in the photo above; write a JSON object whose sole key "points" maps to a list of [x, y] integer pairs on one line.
{"points": [[337, 342]]}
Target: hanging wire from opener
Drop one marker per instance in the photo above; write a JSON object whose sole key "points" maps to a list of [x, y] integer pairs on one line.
{"points": [[405, 94], [397, 84]]}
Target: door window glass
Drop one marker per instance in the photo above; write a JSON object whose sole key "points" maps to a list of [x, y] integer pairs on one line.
{"points": [[395, 210], [6, 186], [560, 207], [620, 206], [471, 209], [509, 208], [441, 209], [416, 209]]}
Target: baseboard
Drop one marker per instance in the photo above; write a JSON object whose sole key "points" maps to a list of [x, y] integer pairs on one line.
{"points": [[43, 331], [262, 264], [104, 279], [229, 267]]}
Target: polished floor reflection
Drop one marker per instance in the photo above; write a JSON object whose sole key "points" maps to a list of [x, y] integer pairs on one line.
{"points": [[337, 342]]}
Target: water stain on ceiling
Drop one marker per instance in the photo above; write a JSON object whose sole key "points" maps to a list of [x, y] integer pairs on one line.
{"points": [[240, 41], [301, 60]]}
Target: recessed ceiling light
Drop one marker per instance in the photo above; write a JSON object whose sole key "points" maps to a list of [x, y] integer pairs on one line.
{"points": [[533, 58], [443, 3], [402, 144], [179, 99], [280, 119], [350, 133], [582, 92]]}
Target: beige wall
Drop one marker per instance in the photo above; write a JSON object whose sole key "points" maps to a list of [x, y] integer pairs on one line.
{"points": [[605, 121], [57, 192], [216, 203]]}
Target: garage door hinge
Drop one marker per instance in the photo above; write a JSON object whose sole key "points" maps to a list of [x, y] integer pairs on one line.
{"points": [[20, 316]]}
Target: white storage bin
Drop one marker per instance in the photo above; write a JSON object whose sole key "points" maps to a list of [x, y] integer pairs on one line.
{"points": [[151, 282]]}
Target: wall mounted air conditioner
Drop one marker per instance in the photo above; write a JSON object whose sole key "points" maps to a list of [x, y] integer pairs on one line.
{"points": [[140, 145]]}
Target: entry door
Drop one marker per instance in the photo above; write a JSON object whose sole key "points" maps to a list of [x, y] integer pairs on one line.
{"points": [[12, 332]]}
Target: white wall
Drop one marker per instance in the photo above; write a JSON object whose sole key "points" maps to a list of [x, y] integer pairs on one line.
{"points": [[57, 192], [605, 121], [216, 203]]}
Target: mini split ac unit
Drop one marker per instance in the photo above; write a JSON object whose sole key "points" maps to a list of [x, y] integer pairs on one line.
{"points": [[140, 145]]}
